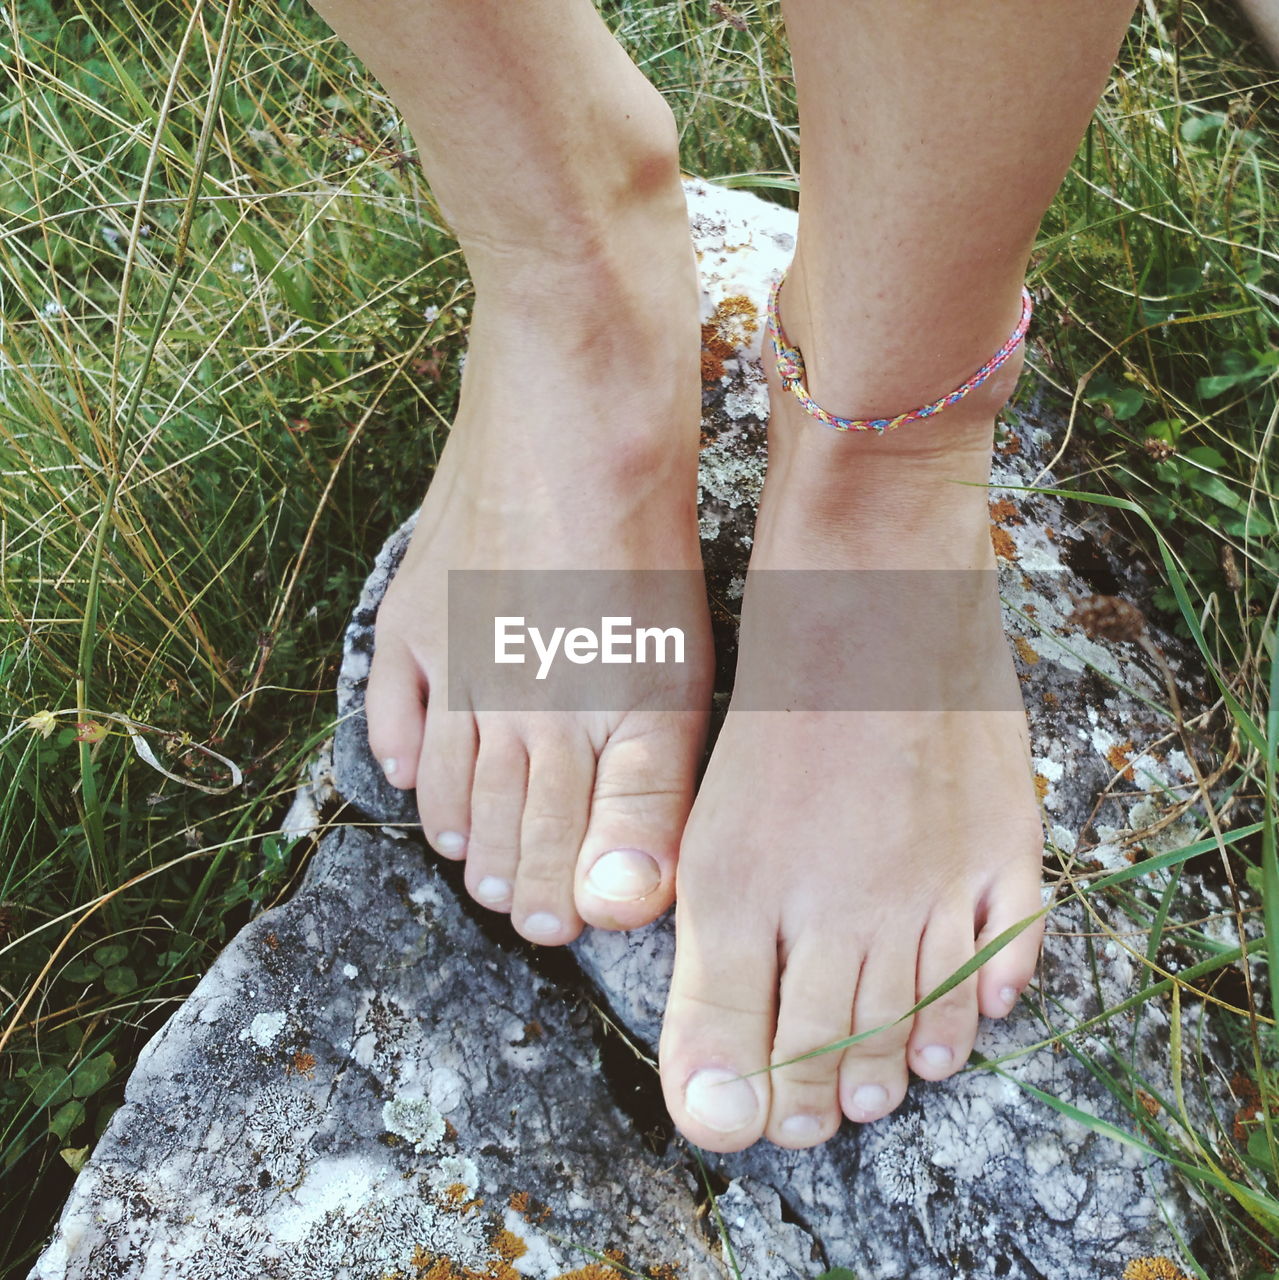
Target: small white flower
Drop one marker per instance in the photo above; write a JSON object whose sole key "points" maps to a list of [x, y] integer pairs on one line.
{"points": [[53, 308]]}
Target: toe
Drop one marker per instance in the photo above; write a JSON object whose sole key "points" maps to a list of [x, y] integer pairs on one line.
{"points": [[395, 705], [497, 807], [1003, 977], [872, 1075], [643, 792], [719, 1026], [944, 1031], [445, 777], [561, 774], [815, 1009]]}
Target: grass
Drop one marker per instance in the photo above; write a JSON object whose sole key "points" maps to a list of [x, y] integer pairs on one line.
{"points": [[226, 327]]}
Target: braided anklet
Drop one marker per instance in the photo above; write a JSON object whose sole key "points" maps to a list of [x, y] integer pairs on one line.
{"points": [[790, 369]]}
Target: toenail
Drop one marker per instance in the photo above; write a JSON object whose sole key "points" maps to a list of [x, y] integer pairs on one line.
{"points": [[870, 1098], [493, 890], [389, 766], [802, 1128], [624, 875], [450, 843], [936, 1055], [721, 1100], [542, 924], [1008, 996]]}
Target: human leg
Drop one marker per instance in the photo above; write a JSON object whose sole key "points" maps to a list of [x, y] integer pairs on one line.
{"points": [[574, 446], [889, 845]]}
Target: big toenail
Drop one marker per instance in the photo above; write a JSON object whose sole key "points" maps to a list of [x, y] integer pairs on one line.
{"points": [[493, 890], [870, 1098], [541, 924], [450, 843], [389, 766], [1008, 995], [721, 1100], [802, 1128], [936, 1055], [624, 875]]}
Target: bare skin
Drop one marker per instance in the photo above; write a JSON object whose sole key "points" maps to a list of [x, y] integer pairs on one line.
{"points": [[851, 903], [562, 817], [837, 864]]}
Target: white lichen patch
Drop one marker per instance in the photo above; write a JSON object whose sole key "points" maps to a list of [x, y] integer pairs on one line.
{"points": [[540, 1258], [728, 475], [350, 971], [415, 1120], [265, 1028], [452, 1172]]}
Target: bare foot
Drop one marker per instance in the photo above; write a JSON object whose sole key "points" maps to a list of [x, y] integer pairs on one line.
{"points": [[866, 853], [575, 447]]}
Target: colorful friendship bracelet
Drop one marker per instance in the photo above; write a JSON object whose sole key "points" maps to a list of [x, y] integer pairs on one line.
{"points": [[790, 369]]}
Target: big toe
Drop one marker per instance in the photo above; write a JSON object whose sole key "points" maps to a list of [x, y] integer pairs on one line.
{"points": [[394, 705], [719, 1027], [642, 796]]}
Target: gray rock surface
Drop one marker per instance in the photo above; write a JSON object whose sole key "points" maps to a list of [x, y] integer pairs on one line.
{"points": [[443, 1060]]}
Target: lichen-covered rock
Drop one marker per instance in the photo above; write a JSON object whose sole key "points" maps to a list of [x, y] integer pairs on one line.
{"points": [[361, 1088], [362, 1067]]}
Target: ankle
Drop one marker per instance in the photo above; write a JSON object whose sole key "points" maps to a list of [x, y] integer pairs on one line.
{"points": [[584, 217], [896, 355]]}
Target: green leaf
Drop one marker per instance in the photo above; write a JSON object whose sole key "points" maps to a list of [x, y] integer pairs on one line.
{"points": [[1259, 1150], [92, 1074], [1183, 280], [75, 1157], [110, 954], [82, 971], [1202, 128], [838, 1273], [120, 981], [1169, 429], [66, 1118], [49, 1087], [1216, 384], [1206, 456]]}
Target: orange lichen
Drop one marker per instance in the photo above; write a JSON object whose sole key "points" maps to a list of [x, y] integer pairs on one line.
{"points": [[1005, 547], [1041, 786], [1118, 759], [1149, 1102], [664, 1271], [426, 1266], [1159, 1268], [271, 941], [1024, 650], [732, 325], [303, 1063], [528, 1209], [1004, 511], [1250, 1105], [1049, 698], [603, 1269], [458, 1199], [1009, 446]]}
